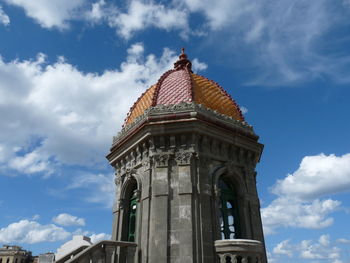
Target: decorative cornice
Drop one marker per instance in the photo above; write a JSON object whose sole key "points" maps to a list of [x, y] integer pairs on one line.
{"points": [[184, 107]]}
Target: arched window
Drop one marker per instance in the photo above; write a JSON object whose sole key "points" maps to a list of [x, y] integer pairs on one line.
{"points": [[16, 260], [8, 260], [229, 219], [132, 211], [0, 260]]}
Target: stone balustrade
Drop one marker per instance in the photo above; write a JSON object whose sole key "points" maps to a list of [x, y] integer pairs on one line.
{"points": [[239, 251], [106, 251]]}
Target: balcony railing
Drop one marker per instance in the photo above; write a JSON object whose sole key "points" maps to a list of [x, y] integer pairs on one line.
{"points": [[239, 251], [105, 251]]}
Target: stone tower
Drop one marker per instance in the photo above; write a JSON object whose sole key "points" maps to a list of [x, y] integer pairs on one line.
{"points": [[185, 174]]}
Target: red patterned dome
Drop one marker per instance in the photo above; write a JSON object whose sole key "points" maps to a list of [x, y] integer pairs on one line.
{"points": [[182, 85]]}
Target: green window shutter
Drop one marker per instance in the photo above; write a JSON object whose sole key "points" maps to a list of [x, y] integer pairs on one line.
{"points": [[132, 219]]}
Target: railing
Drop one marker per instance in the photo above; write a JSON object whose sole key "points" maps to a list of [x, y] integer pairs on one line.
{"points": [[105, 251], [239, 251]]}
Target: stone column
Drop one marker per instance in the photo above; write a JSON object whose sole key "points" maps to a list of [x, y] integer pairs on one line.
{"points": [[185, 222], [145, 200], [158, 239], [205, 212]]}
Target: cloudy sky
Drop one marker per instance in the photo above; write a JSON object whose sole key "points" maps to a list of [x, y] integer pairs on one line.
{"points": [[70, 70]]}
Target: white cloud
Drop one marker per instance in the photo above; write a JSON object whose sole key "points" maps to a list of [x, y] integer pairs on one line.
{"points": [[343, 240], [286, 212], [142, 15], [31, 232], [36, 217], [283, 248], [68, 220], [139, 15], [49, 14], [98, 237], [61, 115], [30, 163], [198, 66], [324, 240], [4, 18], [318, 250], [97, 12], [317, 176], [99, 188], [298, 203], [220, 13], [323, 249]]}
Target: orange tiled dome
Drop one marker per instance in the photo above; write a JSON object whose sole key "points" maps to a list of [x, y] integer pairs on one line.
{"points": [[182, 85]]}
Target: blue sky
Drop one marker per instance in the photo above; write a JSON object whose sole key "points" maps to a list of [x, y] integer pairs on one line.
{"points": [[70, 70]]}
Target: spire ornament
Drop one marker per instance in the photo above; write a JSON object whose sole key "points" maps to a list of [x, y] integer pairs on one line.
{"points": [[183, 61]]}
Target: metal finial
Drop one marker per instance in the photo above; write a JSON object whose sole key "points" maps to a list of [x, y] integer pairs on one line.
{"points": [[183, 62]]}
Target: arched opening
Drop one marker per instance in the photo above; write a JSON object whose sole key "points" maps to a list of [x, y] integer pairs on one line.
{"points": [[130, 201], [228, 206], [8, 260]]}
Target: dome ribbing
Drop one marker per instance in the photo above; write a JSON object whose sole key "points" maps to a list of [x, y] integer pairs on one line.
{"points": [[182, 85]]}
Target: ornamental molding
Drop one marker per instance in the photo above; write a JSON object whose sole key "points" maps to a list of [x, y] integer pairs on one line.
{"points": [[190, 107], [129, 173], [146, 163], [161, 160], [183, 158]]}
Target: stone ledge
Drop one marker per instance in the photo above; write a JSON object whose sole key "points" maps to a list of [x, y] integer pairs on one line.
{"points": [[185, 107]]}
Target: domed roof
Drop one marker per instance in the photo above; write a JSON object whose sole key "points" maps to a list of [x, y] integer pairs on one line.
{"points": [[182, 85]]}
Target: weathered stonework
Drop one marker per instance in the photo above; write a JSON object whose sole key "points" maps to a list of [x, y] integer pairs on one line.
{"points": [[176, 155]]}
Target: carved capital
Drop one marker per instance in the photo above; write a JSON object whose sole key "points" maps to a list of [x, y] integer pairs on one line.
{"points": [[146, 163], [183, 158], [161, 160], [129, 172]]}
